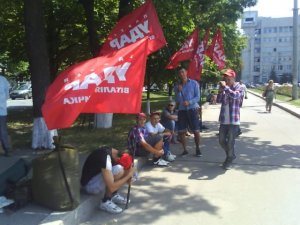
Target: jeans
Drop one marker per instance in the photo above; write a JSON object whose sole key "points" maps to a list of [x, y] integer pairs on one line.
{"points": [[4, 134], [170, 125], [227, 134], [166, 146]]}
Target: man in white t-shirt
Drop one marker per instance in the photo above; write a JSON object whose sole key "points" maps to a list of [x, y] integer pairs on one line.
{"points": [[154, 127]]}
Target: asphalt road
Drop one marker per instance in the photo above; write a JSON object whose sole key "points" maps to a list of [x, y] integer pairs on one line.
{"points": [[263, 188]]}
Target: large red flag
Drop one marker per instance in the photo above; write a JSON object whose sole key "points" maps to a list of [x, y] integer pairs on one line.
{"points": [[216, 50], [71, 92], [186, 51], [197, 63], [140, 23]]}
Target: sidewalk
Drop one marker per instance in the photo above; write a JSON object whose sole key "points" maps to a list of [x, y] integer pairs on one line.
{"points": [[36, 215]]}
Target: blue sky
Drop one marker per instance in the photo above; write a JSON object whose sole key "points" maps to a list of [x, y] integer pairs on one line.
{"points": [[274, 8]]}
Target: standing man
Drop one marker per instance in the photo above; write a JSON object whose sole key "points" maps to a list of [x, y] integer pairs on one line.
{"points": [[187, 96], [229, 96], [4, 95]]}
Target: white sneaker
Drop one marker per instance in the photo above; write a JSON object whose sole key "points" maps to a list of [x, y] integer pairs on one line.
{"points": [[110, 207], [174, 156], [161, 162], [170, 158], [119, 199]]}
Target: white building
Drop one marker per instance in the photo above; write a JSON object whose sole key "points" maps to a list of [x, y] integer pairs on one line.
{"points": [[270, 47]]}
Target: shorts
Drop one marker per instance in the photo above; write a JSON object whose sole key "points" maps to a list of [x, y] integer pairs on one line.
{"points": [[151, 140], [188, 119], [97, 184]]}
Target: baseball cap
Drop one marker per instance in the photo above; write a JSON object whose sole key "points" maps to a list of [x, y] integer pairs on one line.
{"points": [[125, 161], [141, 114], [229, 72], [155, 113]]}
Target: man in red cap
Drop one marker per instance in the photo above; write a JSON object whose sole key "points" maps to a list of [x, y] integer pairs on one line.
{"points": [[230, 95], [141, 143], [106, 169]]}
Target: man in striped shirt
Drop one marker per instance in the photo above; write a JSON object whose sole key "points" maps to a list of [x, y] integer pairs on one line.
{"points": [[230, 95]]}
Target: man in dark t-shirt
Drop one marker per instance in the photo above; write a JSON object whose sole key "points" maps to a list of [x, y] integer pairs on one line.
{"points": [[106, 170]]}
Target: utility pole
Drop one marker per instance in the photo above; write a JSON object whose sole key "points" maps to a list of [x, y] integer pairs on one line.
{"points": [[295, 51]]}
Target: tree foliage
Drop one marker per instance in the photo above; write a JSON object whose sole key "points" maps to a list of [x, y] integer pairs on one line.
{"points": [[68, 40]]}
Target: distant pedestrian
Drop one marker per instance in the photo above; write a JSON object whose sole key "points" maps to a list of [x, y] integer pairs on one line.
{"points": [[4, 95], [245, 96], [269, 94], [229, 96], [107, 170], [187, 96]]}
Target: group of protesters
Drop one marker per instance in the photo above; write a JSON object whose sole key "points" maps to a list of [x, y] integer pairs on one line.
{"points": [[107, 169]]}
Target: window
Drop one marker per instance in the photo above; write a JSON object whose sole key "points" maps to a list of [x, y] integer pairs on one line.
{"points": [[257, 59], [250, 19]]}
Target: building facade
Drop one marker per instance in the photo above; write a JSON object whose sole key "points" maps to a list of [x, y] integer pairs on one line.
{"points": [[269, 49]]}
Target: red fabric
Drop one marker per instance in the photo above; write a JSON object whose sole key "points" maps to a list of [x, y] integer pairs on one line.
{"points": [[126, 161], [186, 51], [197, 62], [216, 50], [140, 23], [78, 88]]}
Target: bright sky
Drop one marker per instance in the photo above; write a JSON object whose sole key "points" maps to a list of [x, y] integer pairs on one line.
{"points": [[274, 8]]}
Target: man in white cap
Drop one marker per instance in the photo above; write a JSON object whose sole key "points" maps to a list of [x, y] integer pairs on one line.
{"points": [[229, 96]]}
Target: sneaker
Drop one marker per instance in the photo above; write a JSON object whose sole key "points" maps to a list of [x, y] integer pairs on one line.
{"points": [[174, 156], [198, 153], [110, 207], [227, 165], [184, 153], [161, 162], [170, 158], [119, 199]]}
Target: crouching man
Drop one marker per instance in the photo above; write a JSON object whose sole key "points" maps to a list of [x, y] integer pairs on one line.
{"points": [[105, 169]]}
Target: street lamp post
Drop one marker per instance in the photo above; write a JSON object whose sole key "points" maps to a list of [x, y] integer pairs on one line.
{"points": [[295, 51]]}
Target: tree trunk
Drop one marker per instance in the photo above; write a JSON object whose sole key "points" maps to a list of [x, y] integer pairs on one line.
{"points": [[125, 6], [88, 6], [39, 69]]}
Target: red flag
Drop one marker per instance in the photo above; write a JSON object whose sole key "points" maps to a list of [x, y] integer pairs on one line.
{"points": [[71, 92], [216, 50], [197, 63], [186, 51], [140, 23], [122, 90]]}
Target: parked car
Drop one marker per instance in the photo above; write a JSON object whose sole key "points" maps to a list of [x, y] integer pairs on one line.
{"points": [[23, 91]]}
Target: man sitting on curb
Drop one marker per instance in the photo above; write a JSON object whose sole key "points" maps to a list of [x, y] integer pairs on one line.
{"points": [[154, 127], [140, 143], [105, 169]]}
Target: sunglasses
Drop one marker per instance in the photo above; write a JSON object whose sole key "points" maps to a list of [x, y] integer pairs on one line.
{"points": [[171, 105]]}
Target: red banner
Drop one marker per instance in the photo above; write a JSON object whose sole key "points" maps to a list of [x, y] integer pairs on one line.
{"points": [[197, 63], [140, 23], [186, 52], [216, 50], [111, 83]]}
